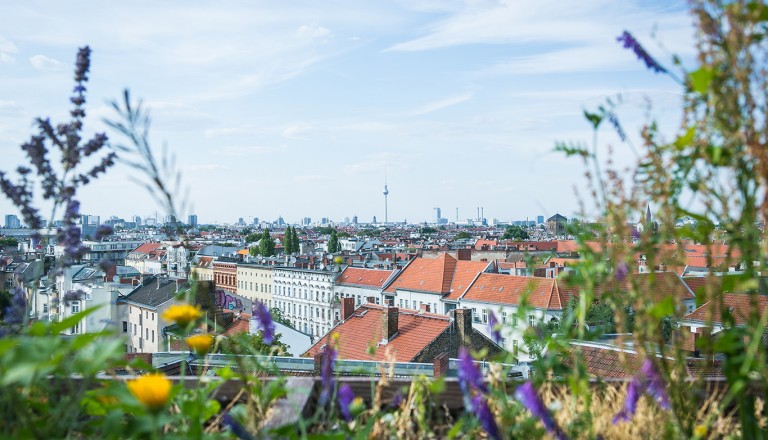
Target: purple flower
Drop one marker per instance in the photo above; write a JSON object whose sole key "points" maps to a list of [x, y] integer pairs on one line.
{"points": [[614, 120], [630, 404], [493, 323], [236, 428], [82, 64], [73, 211], [16, 312], [264, 322], [326, 373], [470, 377], [631, 43], [397, 399], [484, 414], [647, 381], [654, 384], [527, 396], [73, 295], [345, 398], [621, 271], [102, 231]]}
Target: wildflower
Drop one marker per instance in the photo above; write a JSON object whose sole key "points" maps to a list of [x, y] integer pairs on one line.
{"points": [[200, 344], [16, 312], [484, 414], [264, 322], [648, 381], [700, 431], [631, 43], [346, 396], [621, 271], [326, 373], [527, 396], [614, 120], [630, 403], [470, 376], [152, 390], [493, 323], [237, 429], [397, 399], [82, 64], [182, 314], [102, 231], [654, 384]]}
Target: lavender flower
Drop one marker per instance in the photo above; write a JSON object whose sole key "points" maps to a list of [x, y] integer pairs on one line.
{"points": [[484, 414], [16, 312], [493, 323], [264, 322], [631, 43], [648, 381], [470, 376], [397, 399], [527, 396], [236, 428], [102, 231], [326, 373], [345, 398], [82, 64], [654, 384], [630, 404], [621, 271], [73, 211], [614, 120]]}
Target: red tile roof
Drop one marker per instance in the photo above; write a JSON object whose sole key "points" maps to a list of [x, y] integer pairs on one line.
{"points": [[442, 275], [544, 293], [241, 324], [364, 328], [146, 248], [740, 305], [655, 285], [354, 276]]}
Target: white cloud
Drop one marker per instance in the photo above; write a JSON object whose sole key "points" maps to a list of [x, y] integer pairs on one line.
{"points": [[5, 58], [298, 132], [10, 108], [6, 49], [441, 104], [314, 32], [312, 178], [206, 167], [42, 62]]}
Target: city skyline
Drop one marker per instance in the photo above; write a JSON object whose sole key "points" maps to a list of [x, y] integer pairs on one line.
{"points": [[298, 110]]}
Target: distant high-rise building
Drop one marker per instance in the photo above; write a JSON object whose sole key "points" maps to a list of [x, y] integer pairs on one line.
{"points": [[86, 219], [280, 221], [137, 220], [306, 221], [374, 220], [439, 216], [255, 220], [11, 221], [241, 221], [192, 220], [354, 220], [169, 219], [540, 219], [324, 221]]}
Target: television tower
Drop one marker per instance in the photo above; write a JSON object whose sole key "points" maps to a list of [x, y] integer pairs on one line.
{"points": [[386, 193]]}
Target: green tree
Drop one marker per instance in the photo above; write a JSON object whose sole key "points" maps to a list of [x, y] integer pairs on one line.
{"points": [[245, 343], [296, 241], [515, 233], [463, 235], [9, 242], [277, 316], [333, 243], [267, 244], [288, 241], [253, 238]]}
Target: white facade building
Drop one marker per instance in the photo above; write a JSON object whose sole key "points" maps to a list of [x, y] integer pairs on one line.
{"points": [[306, 298]]}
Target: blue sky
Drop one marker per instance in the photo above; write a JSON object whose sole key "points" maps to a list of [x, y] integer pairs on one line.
{"points": [[296, 108]]}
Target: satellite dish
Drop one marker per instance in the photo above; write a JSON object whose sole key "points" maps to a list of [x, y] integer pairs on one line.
{"points": [[329, 256], [321, 266], [115, 279], [263, 260]]}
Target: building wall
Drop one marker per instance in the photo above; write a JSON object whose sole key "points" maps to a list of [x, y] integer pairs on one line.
{"points": [[408, 299], [144, 327], [255, 283], [225, 275], [203, 273], [306, 298]]}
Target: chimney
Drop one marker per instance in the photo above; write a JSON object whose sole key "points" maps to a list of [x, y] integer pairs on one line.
{"points": [[440, 365], [389, 324], [463, 321], [424, 307], [464, 254], [347, 308]]}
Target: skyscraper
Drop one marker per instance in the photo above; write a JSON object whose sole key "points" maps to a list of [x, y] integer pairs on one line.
{"points": [[192, 220], [11, 221]]}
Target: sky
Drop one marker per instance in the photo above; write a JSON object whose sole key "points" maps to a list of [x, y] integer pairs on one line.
{"points": [[296, 109]]}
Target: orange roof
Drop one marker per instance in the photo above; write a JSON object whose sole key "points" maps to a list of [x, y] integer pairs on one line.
{"points": [[544, 293], [241, 324], [657, 285], [481, 242], [243, 252], [442, 275], [354, 276], [739, 304], [364, 329]]}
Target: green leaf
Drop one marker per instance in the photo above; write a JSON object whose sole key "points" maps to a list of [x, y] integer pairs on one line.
{"points": [[701, 79], [664, 308], [594, 118], [61, 326], [685, 140]]}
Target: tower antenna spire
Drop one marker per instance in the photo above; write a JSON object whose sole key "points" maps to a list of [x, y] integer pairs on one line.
{"points": [[386, 193]]}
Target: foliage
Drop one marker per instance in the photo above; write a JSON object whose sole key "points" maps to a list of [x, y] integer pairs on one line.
{"points": [[515, 232], [333, 243], [463, 235], [267, 244], [5, 302], [427, 230], [9, 242], [277, 316], [253, 237], [245, 343]]}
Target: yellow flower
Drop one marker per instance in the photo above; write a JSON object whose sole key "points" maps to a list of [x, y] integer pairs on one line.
{"points": [[152, 390], [200, 343], [182, 314], [700, 431]]}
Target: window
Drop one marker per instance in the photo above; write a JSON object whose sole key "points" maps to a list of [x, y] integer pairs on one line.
{"points": [[503, 317], [153, 336], [125, 326], [134, 329], [531, 321], [45, 308], [514, 320], [406, 303], [485, 316], [475, 318], [515, 348], [147, 333], [75, 307]]}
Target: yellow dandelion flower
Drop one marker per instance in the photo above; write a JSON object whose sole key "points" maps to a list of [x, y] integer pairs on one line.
{"points": [[700, 431], [182, 314], [200, 343], [152, 390]]}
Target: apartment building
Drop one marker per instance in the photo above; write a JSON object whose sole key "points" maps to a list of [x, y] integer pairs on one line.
{"points": [[306, 298], [254, 281], [140, 314]]}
